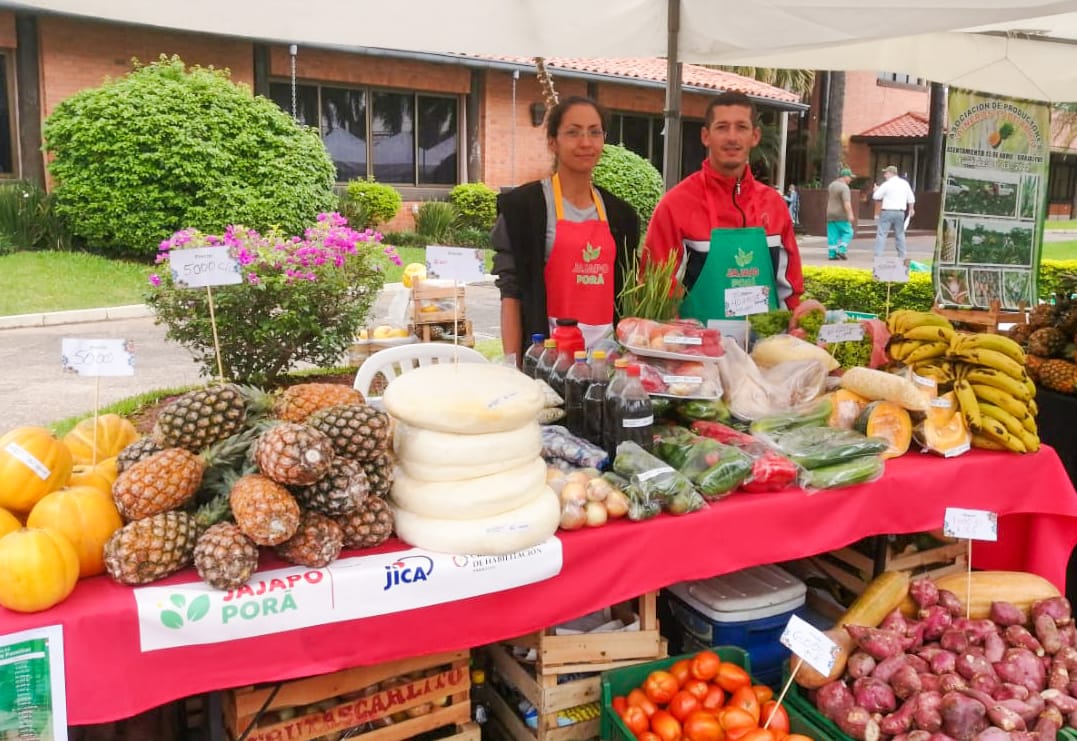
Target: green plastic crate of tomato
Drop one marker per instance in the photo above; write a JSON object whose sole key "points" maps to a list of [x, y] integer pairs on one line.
{"points": [[619, 682]]}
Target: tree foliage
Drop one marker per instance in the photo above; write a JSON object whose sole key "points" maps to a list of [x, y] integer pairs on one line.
{"points": [[631, 178], [166, 147]]}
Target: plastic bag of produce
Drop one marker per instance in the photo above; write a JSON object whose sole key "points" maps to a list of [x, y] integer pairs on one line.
{"points": [[686, 337], [558, 442], [811, 415], [652, 479], [771, 471], [728, 469], [861, 470], [673, 444], [819, 447], [678, 378], [795, 382], [714, 410], [783, 347], [746, 391]]}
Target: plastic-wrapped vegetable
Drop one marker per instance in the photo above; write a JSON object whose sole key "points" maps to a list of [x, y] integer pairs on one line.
{"points": [[558, 442], [729, 468], [713, 410], [818, 447], [726, 434], [855, 471], [771, 472], [815, 414], [655, 480], [673, 444]]}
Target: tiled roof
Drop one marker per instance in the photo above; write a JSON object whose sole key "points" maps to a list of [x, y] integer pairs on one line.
{"points": [[906, 126], [654, 70]]}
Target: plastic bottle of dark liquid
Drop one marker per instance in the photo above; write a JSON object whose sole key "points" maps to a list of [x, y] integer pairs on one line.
{"points": [[531, 357], [546, 360], [594, 401], [577, 380], [609, 429], [633, 415], [560, 369]]}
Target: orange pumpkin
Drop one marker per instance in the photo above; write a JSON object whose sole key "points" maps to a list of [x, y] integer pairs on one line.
{"points": [[32, 463], [86, 515], [107, 468], [38, 569], [8, 523], [114, 433], [84, 475]]}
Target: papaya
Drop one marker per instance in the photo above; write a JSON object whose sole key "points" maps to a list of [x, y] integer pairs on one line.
{"points": [[847, 406], [944, 430], [889, 421]]}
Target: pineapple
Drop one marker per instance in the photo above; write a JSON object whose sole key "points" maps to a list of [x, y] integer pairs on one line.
{"points": [[294, 454], [379, 473], [264, 510], [358, 431], [298, 402], [1042, 315], [224, 557], [1020, 333], [316, 543], [1047, 342], [162, 482], [200, 418], [338, 492], [1059, 375], [150, 549], [1033, 363], [144, 447], [368, 526]]}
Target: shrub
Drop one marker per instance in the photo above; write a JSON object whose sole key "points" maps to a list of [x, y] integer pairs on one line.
{"points": [[473, 237], [476, 203], [405, 239], [165, 147], [301, 299], [435, 221], [853, 288], [373, 202], [631, 178], [28, 219]]}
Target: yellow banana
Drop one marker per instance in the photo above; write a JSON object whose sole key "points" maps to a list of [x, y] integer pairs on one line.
{"points": [[993, 359], [999, 398], [984, 442], [926, 351], [920, 319], [1031, 386], [1029, 423], [928, 333], [897, 319], [1033, 408], [1003, 382], [900, 349], [996, 342], [939, 373], [994, 429], [970, 407], [1029, 441]]}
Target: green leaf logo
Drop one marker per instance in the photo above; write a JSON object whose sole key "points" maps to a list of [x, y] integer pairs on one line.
{"points": [[591, 253], [743, 258], [197, 610], [171, 619]]}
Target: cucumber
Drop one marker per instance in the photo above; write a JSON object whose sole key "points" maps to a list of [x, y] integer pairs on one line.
{"points": [[856, 471], [775, 424]]}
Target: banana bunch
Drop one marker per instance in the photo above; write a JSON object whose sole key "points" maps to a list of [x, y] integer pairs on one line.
{"points": [[994, 392], [921, 339]]}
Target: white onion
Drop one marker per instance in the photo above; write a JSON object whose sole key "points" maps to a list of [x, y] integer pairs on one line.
{"points": [[572, 516], [616, 503], [595, 513]]}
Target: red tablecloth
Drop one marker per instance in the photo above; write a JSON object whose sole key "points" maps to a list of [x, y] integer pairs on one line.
{"points": [[109, 678]]}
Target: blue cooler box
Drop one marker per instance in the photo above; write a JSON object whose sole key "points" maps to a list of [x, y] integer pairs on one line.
{"points": [[748, 608]]}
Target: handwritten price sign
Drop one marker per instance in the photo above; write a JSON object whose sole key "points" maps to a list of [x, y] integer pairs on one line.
{"points": [[204, 266], [890, 270], [747, 300], [98, 357], [847, 332], [460, 264], [810, 644], [973, 524]]}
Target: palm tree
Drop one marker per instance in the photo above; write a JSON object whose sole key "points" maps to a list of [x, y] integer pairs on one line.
{"points": [[799, 81]]}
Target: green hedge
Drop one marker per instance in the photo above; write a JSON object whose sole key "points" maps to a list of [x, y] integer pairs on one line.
{"points": [[853, 288]]}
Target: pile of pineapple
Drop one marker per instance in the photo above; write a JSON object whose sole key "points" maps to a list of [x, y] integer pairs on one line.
{"points": [[227, 470], [1049, 340]]}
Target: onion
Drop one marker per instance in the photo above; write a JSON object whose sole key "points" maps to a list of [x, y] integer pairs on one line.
{"points": [[573, 492], [598, 490], [596, 514], [616, 503], [572, 516], [579, 476]]}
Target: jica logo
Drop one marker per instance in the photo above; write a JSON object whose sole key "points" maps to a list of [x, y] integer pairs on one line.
{"points": [[174, 618], [407, 570]]}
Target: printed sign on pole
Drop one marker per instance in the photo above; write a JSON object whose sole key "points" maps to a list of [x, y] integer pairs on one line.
{"points": [[108, 357], [204, 266]]}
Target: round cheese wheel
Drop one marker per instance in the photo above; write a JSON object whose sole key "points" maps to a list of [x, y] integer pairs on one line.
{"points": [[419, 445], [471, 498], [485, 536], [470, 398], [441, 472]]}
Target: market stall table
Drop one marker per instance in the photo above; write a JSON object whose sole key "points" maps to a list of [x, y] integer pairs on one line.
{"points": [[109, 677]]}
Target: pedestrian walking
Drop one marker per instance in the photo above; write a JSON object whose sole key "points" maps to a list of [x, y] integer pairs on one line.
{"points": [[839, 216], [896, 207]]}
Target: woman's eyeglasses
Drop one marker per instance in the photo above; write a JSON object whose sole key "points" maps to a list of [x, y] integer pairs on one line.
{"points": [[575, 134]]}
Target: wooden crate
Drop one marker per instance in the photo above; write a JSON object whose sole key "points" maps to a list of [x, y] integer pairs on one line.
{"points": [[556, 656], [425, 332], [445, 682], [424, 297], [984, 320], [853, 570]]}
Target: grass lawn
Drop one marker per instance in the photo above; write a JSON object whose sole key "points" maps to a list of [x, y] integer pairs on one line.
{"points": [[1067, 225], [1059, 251], [57, 281]]}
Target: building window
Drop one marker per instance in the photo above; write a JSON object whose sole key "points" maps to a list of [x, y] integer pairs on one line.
{"points": [[1061, 181], [905, 160], [396, 137], [898, 78], [639, 134]]}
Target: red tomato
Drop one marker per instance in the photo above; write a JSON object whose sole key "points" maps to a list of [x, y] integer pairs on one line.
{"points": [[660, 687], [744, 698], [732, 718], [638, 698], [683, 704], [797, 737], [715, 698], [763, 693], [705, 665], [779, 723], [697, 687], [666, 726], [650, 736], [702, 726], [730, 677], [758, 734], [682, 671], [619, 704], [635, 720]]}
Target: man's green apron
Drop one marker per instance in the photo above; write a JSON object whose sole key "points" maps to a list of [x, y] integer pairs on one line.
{"points": [[737, 258]]}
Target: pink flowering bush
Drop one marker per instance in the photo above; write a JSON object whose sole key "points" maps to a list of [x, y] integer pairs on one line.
{"points": [[301, 299]]}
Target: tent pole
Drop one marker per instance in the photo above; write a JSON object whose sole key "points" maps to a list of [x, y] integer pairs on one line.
{"points": [[671, 151], [783, 136]]}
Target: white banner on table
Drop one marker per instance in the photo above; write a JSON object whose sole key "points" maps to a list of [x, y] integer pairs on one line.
{"points": [[350, 588], [32, 674], [460, 264], [198, 267], [109, 357]]}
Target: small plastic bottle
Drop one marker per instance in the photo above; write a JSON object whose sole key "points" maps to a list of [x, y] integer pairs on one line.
{"points": [[594, 400], [577, 380], [633, 415], [559, 372], [531, 357], [613, 389], [547, 360]]}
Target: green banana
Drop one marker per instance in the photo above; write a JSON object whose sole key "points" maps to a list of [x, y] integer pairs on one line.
{"points": [[928, 333], [997, 431], [926, 351], [993, 359], [970, 407], [999, 398], [1003, 382], [995, 342]]}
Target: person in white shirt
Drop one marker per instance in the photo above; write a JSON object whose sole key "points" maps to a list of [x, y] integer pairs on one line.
{"points": [[896, 196]]}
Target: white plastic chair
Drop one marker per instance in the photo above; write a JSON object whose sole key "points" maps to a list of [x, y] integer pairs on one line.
{"points": [[395, 361]]}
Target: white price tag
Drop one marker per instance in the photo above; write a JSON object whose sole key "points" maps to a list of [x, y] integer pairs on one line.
{"points": [[460, 264], [845, 332], [747, 300], [810, 644], [890, 270], [973, 524], [204, 266], [98, 357]]}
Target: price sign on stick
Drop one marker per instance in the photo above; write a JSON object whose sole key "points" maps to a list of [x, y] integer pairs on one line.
{"points": [[747, 300], [974, 524], [810, 644], [845, 332], [108, 357], [890, 270], [460, 264], [203, 267]]}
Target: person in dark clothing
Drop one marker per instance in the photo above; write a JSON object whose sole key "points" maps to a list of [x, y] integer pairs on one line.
{"points": [[562, 243]]}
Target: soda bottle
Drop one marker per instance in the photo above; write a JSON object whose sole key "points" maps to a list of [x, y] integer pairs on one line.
{"points": [[560, 368], [546, 360], [613, 389], [633, 415], [567, 333], [595, 398], [531, 357], [577, 380]]}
